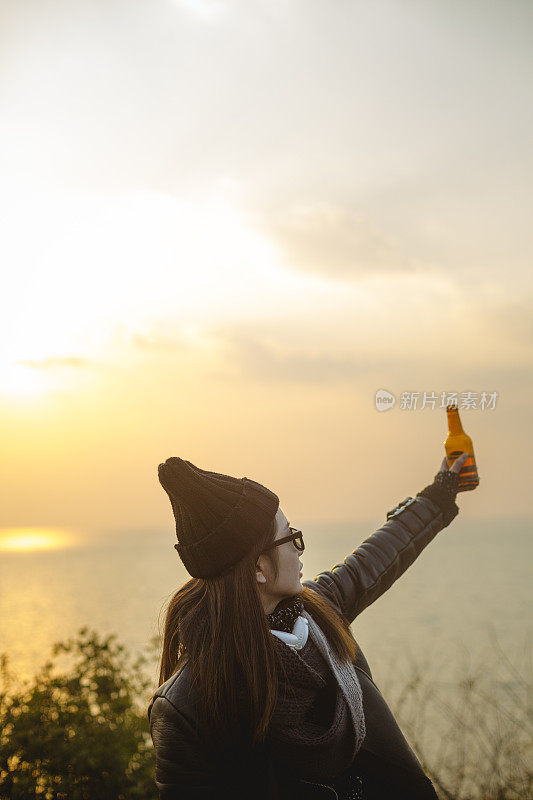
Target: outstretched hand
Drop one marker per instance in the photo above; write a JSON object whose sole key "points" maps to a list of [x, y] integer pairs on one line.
{"points": [[456, 466]]}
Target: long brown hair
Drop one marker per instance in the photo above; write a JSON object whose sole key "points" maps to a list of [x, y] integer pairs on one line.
{"points": [[220, 627]]}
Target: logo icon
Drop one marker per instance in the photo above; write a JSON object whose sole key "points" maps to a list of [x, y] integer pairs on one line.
{"points": [[384, 400]]}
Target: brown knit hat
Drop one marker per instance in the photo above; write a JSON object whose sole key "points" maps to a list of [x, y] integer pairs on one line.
{"points": [[219, 519]]}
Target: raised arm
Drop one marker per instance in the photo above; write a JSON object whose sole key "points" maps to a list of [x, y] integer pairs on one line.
{"points": [[379, 561]]}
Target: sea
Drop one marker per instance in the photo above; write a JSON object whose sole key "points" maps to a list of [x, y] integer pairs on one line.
{"points": [[462, 609], [468, 591]]}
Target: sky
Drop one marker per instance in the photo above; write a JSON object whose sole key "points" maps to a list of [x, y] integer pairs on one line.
{"points": [[226, 225]]}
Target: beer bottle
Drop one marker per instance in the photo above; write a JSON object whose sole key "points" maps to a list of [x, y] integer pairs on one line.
{"points": [[459, 442]]}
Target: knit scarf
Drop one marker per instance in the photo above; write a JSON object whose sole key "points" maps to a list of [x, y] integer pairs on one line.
{"points": [[318, 725]]}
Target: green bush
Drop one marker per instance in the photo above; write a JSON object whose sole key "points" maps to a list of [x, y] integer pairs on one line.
{"points": [[82, 734]]}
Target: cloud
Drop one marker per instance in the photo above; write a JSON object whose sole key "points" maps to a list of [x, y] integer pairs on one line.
{"points": [[259, 357], [55, 362], [269, 355], [158, 343], [513, 317], [206, 10], [334, 241]]}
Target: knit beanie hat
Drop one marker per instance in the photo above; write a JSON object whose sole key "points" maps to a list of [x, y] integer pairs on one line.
{"points": [[219, 519]]}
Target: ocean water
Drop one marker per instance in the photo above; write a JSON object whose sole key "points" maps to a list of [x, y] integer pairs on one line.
{"points": [[465, 600]]}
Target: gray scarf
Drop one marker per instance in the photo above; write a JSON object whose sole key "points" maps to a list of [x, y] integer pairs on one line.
{"points": [[319, 724], [346, 677]]}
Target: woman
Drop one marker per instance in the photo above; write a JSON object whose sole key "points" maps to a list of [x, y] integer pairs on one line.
{"points": [[263, 691]]}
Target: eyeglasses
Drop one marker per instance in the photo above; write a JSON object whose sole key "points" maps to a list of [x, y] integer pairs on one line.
{"points": [[296, 536]]}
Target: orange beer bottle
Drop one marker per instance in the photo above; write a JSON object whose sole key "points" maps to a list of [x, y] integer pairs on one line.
{"points": [[459, 442]]}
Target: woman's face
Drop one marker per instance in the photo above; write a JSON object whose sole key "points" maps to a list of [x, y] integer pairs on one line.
{"points": [[288, 582]]}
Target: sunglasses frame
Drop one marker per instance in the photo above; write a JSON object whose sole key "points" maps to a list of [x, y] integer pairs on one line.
{"points": [[295, 533]]}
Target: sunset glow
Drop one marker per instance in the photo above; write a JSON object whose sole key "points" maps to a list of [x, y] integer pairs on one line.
{"points": [[210, 253], [33, 539]]}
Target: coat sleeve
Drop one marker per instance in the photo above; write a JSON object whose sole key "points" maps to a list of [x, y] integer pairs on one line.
{"points": [[379, 561], [182, 771]]}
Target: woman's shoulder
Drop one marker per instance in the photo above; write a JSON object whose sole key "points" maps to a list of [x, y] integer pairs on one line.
{"points": [[177, 692]]}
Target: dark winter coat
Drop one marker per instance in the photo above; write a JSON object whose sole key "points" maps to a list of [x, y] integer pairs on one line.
{"points": [[386, 762]]}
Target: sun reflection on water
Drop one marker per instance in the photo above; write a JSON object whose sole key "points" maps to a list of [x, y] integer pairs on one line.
{"points": [[29, 539]]}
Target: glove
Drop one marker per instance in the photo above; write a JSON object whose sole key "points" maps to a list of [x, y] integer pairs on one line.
{"points": [[443, 490]]}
